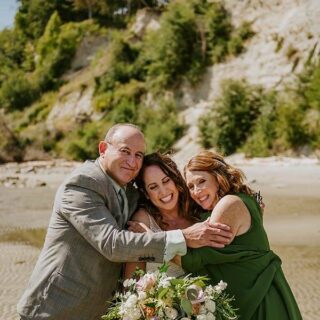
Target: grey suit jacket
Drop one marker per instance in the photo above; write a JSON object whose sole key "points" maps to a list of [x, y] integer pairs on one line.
{"points": [[80, 264]]}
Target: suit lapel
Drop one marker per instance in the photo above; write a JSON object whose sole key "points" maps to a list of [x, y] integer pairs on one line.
{"points": [[113, 200]]}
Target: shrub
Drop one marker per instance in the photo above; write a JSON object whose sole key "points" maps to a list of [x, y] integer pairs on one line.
{"points": [[190, 37], [32, 17], [238, 38], [174, 51], [260, 143], [123, 65], [83, 144], [11, 52], [232, 118], [161, 125], [219, 29], [126, 111], [311, 79], [56, 48], [38, 112], [290, 125], [17, 92], [129, 92]]}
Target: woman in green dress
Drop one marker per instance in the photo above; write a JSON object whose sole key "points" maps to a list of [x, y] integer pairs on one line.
{"points": [[253, 271]]}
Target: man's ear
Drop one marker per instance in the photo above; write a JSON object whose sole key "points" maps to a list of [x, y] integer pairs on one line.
{"points": [[103, 146]]}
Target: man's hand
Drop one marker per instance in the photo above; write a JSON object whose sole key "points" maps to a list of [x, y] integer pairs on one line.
{"points": [[204, 234], [138, 227]]}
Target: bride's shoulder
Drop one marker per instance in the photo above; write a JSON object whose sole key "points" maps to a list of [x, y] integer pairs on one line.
{"points": [[142, 215]]}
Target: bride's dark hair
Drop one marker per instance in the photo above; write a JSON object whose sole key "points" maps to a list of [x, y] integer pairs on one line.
{"points": [[169, 167]]}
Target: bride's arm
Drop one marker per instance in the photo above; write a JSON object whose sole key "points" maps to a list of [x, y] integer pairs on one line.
{"points": [[139, 223]]}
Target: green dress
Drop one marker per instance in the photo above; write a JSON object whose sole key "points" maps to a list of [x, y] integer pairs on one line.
{"points": [[252, 271]]}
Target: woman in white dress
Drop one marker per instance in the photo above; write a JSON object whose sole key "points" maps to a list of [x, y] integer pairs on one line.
{"points": [[166, 204]]}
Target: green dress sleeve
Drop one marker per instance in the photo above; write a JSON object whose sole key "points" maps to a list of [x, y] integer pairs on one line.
{"points": [[196, 259]]}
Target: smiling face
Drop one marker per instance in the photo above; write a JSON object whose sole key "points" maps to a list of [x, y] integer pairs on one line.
{"points": [[203, 188], [123, 156], [161, 189]]}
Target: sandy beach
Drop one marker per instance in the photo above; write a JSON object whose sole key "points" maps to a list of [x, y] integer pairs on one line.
{"points": [[290, 189]]}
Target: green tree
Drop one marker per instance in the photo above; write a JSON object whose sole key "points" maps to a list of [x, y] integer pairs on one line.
{"points": [[49, 41], [89, 5], [32, 17], [174, 51], [56, 48], [232, 117], [17, 92]]}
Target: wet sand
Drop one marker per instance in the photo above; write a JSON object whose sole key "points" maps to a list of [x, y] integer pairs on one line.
{"points": [[292, 219]]}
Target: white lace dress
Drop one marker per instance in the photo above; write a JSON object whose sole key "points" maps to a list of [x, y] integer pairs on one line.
{"points": [[174, 270]]}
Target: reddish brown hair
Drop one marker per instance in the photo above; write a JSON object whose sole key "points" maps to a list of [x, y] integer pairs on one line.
{"points": [[229, 178]]}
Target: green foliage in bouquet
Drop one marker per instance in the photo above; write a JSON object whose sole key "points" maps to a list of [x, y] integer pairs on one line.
{"points": [[157, 296]]}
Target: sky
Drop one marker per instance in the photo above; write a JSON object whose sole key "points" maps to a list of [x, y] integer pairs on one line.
{"points": [[8, 9]]}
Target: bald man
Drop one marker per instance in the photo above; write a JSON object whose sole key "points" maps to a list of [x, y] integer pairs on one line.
{"points": [[81, 261]]}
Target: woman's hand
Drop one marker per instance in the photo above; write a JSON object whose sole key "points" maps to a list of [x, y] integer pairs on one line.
{"points": [[138, 227]]}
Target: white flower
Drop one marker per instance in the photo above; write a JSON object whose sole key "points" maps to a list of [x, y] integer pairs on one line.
{"points": [[158, 297], [202, 310], [165, 282], [132, 314], [210, 316], [132, 301], [220, 286], [210, 305], [171, 313], [129, 282], [223, 285], [142, 295]]}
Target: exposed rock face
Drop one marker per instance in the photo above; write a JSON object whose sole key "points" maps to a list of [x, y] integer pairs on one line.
{"points": [[145, 20], [72, 109], [73, 106], [287, 32], [87, 50]]}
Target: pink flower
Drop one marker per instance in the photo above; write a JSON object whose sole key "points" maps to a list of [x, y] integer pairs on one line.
{"points": [[146, 282]]}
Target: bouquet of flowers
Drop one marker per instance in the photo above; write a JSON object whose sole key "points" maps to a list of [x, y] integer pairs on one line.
{"points": [[156, 296]]}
